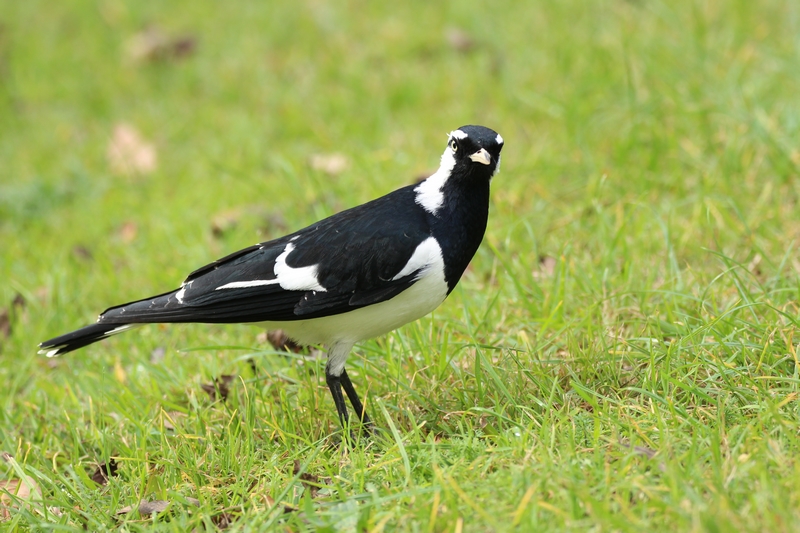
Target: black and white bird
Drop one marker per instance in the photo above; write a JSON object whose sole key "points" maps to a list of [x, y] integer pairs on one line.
{"points": [[355, 275]]}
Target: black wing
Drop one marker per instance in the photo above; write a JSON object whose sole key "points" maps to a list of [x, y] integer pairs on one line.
{"points": [[356, 255]]}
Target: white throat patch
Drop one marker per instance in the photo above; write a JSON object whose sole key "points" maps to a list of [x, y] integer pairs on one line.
{"points": [[429, 192]]}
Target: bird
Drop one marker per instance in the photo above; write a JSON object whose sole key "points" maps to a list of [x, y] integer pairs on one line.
{"points": [[355, 275]]}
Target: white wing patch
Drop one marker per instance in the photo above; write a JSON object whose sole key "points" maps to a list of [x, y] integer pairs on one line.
{"points": [[296, 279], [120, 329], [290, 279], [427, 253], [181, 293], [245, 284]]}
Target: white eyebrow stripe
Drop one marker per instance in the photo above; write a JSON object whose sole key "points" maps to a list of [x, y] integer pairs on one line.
{"points": [[458, 134], [499, 139]]}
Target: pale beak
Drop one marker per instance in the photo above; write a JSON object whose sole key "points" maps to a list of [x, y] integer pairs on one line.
{"points": [[482, 156]]}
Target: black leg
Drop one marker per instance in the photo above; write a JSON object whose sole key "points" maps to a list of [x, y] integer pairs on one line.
{"points": [[335, 385], [354, 399]]}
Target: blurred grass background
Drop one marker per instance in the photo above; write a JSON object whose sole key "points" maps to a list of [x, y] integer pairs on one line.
{"points": [[621, 356]]}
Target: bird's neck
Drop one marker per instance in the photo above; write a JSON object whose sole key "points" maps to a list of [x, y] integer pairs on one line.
{"points": [[459, 226]]}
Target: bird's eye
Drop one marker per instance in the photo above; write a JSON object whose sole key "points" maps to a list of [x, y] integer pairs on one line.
{"points": [[453, 145]]}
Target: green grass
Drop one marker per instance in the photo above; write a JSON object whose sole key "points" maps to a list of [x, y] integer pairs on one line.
{"points": [[621, 356]]}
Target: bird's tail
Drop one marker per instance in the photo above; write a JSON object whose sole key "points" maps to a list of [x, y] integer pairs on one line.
{"points": [[167, 308], [112, 321], [81, 337]]}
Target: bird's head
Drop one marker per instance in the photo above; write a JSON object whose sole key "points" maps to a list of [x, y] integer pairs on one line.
{"points": [[473, 150], [472, 158]]}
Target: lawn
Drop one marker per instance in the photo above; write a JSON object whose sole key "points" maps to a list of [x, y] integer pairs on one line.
{"points": [[621, 355]]}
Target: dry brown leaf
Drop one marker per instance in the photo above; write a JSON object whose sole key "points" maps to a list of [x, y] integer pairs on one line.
{"points": [[253, 367], [225, 221], [157, 355], [169, 418], [154, 506], [460, 40], [104, 471], [755, 266], [129, 153], [272, 221], [280, 341], [5, 323], [127, 231], [124, 510], [268, 221], [309, 481], [547, 266], [18, 303], [644, 450], [15, 491], [270, 501], [146, 508], [82, 252], [153, 44], [221, 384], [332, 164], [223, 520], [42, 293]]}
